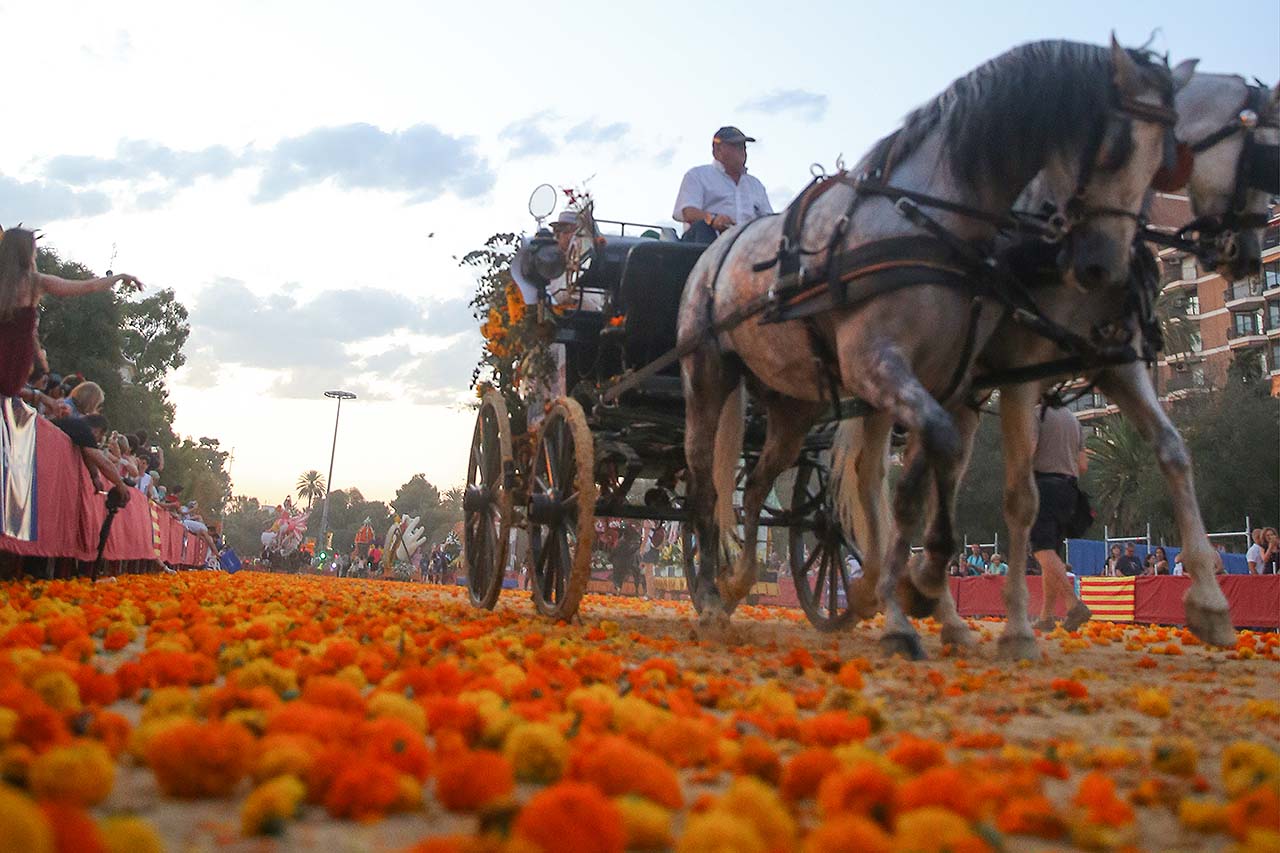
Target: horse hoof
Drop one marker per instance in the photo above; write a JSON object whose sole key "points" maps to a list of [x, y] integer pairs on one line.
{"points": [[904, 645], [1018, 647], [916, 602], [1045, 625], [1210, 624], [866, 604], [959, 636], [1076, 616]]}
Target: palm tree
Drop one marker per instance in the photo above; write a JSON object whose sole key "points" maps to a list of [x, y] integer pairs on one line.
{"points": [[310, 486], [1118, 457]]}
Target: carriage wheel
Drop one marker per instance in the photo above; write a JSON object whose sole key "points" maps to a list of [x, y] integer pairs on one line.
{"points": [[819, 547], [562, 502], [486, 504]]}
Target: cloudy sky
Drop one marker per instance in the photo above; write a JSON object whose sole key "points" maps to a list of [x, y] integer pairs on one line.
{"points": [[305, 174]]}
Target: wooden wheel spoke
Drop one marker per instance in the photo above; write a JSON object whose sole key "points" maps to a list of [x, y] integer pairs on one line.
{"points": [[821, 577], [833, 605]]}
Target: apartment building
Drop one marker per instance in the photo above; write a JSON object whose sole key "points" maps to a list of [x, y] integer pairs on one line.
{"points": [[1220, 320]]}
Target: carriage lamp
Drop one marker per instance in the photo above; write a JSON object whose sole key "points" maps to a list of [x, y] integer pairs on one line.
{"points": [[542, 261]]}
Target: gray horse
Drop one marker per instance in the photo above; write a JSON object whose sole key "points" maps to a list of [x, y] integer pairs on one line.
{"points": [[1048, 107], [1207, 105]]}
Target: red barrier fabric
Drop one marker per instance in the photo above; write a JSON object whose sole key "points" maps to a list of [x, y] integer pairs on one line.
{"points": [[69, 514], [1254, 600], [984, 596]]}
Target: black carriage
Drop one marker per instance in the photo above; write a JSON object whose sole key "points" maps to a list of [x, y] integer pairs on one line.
{"points": [[612, 445]]}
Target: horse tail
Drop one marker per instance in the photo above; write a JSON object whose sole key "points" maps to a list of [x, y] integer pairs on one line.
{"points": [[728, 450], [851, 440]]}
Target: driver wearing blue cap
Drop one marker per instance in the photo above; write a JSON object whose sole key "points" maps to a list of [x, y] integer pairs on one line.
{"points": [[720, 194]]}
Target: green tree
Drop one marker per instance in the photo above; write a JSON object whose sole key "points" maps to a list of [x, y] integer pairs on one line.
{"points": [[980, 500], [1119, 458], [435, 512], [243, 523], [347, 510], [200, 468], [154, 330], [310, 486]]}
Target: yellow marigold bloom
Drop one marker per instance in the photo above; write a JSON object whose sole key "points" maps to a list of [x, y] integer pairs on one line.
{"points": [[1247, 765], [140, 738], [282, 757], [1176, 755], [15, 761], [354, 676], [759, 802], [408, 794], [58, 691], [169, 702], [81, 773], [1261, 709], [1202, 815], [719, 831], [633, 714], [8, 723], [271, 804], [648, 825], [602, 693], [22, 826], [934, 829], [264, 673], [537, 752], [1259, 840], [1153, 702], [399, 706], [130, 834], [772, 698], [253, 719]]}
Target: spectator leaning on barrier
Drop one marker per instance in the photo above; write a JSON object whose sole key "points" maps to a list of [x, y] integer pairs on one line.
{"points": [[1128, 565], [997, 566], [86, 433], [1254, 555]]}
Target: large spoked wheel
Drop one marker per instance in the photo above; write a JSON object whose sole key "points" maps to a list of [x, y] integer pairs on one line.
{"points": [[819, 549], [562, 502], [486, 503]]}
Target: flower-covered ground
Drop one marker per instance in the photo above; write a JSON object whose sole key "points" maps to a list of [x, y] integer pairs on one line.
{"points": [[205, 711]]}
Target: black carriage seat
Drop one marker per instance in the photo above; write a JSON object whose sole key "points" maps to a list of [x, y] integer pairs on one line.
{"points": [[649, 291]]}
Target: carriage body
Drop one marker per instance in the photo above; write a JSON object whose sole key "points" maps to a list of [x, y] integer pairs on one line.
{"points": [[600, 442]]}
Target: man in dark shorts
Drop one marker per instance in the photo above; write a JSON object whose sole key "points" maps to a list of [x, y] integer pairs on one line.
{"points": [[86, 433], [1059, 459]]}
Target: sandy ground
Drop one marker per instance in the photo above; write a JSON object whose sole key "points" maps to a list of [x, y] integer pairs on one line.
{"points": [[975, 692]]}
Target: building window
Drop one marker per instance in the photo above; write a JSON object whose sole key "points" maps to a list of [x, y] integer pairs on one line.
{"points": [[1271, 274], [1245, 324], [1273, 315], [1170, 269], [1271, 237], [1188, 268], [1193, 304], [1275, 355]]}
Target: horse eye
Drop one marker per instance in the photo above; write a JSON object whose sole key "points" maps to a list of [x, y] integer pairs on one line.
{"points": [[1119, 148]]}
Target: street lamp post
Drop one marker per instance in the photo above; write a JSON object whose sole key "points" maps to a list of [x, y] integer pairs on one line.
{"points": [[328, 484]]}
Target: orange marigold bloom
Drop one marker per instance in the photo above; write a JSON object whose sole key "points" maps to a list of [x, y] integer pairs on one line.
{"points": [[326, 725], [943, 786], [862, 789], [393, 741], [684, 742], [446, 712], [192, 759], [80, 773], [1069, 687], [916, 753], [844, 833], [1031, 816], [758, 758], [364, 790], [470, 780], [570, 817], [1097, 795], [331, 692], [834, 728], [1259, 809], [934, 830], [73, 830], [803, 774], [616, 766], [850, 675]]}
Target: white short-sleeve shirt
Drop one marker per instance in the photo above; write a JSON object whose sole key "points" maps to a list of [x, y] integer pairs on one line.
{"points": [[710, 188]]}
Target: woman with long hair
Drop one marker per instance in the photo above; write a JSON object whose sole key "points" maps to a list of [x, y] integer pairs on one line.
{"points": [[22, 286]]}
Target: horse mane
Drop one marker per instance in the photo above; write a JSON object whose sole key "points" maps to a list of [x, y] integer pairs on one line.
{"points": [[1008, 117]]}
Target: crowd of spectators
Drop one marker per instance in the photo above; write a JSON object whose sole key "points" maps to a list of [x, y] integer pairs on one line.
{"points": [[124, 464], [978, 561]]}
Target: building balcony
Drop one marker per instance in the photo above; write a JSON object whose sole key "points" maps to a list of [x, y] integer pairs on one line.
{"points": [[1247, 336], [1184, 381], [1246, 293]]}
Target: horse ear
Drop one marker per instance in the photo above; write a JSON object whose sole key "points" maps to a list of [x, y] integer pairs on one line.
{"points": [[1127, 76], [1182, 74]]}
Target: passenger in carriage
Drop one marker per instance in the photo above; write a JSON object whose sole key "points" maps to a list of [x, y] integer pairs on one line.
{"points": [[719, 195]]}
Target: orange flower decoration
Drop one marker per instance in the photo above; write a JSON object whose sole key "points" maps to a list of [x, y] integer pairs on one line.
{"points": [[470, 780], [617, 766], [803, 774], [192, 759], [1031, 816], [364, 790], [570, 817], [834, 728], [946, 787], [864, 789], [845, 833], [916, 754], [1097, 795]]}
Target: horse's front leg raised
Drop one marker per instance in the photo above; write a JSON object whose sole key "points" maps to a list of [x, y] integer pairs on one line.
{"points": [[1021, 500], [788, 421], [1129, 387]]}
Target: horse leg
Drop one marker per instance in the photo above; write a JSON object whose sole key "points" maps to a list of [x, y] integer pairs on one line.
{"points": [[787, 423], [1021, 500], [860, 452], [891, 385], [955, 631], [709, 379], [1130, 388]]}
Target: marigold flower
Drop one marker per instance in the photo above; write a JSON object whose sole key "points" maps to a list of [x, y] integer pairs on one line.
{"points": [[193, 759], [363, 790], [761, 805], [470, 780], [58, 690], [570, 817], [394, 742], [1176, 755], [1202, 815], [647, 824], [80, 773], [684, 742], [935, 830], [73, 830], [396, 705], [617, 766], [1247, 765], [130, 834], [834, 728], [946, 787], [804, 772], [757, 758], [331, 692], [1153, 702], [847, 832], [270, 805], [1032, 815], [1097, 795], [1258, 809], [863, 789], [537, 752], [22, 825], [916, 754]]}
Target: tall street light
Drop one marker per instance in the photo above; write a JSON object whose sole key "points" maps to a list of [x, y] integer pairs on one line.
{"points": [[328, 484]]}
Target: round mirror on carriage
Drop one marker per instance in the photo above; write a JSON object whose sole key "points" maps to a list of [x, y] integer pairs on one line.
{"points": [[542, 202]]}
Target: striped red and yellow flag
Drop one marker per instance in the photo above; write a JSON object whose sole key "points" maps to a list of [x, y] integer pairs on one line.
{"points": [[1110, 599], [155, 529]]}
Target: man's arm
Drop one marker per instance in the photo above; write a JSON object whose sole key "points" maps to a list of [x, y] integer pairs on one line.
{"points": [[95, 459], [1082, 462]]}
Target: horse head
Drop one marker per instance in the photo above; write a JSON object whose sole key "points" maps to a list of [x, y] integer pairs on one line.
{"points": [[1230, 129]]}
